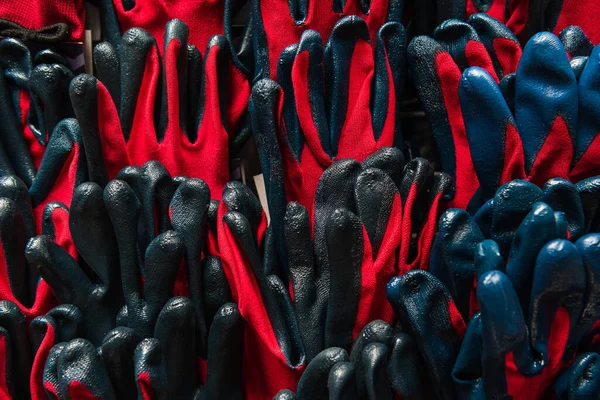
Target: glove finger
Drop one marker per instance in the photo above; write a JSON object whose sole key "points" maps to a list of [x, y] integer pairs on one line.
{"points": [[295, 354], [173, 110], [423, 305], [290, 111], [15, 189], [226, 341], [163, 259], [93, 234], [50, 84], [349, 68], [285, 395], [108, 70], [581, 380], [546, 121], [501, 317], [63, 165], [307, 302], [575, 42], [389, 76], [464, 45], [240, 227], [578, 65], [189, 208], [175, 330], [453, 257], [150, 373], [123, 208], [375, 332], [501, 44], [22, 279], [345, 248], [68, 282], [156, 190], [17, 343], [375, 193], [374, 360], [557, 298], [335, 190], [81, 372], [512, 202], [488, 258], [238, 197], [403, 367], [507, 87], [51, 380], [341, 383], [493, 138], [117, 352], [537, 229], [468, 369], [138, 53], [388, 159], [313, 382], [562, 195], [216, 291]]}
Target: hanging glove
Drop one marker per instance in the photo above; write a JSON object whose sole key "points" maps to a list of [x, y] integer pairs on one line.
{"points": [[297, 138], [49, 21], [277, 25], [205, 19], [381, 362], [165, 365], [427, 312], [25, 347], [113, 253], [34, 98], [436, 64], [126, 121], [526, 358]]}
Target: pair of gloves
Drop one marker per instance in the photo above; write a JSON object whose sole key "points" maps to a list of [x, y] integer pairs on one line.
{"points": [[497, 115]]}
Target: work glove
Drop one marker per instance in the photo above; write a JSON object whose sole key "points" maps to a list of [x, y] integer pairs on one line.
{"points": [[106, 286], [519, 221], [204, 18], [382, 362], [142, 109], [528, 351], [165, 365], [25, 346], [427, 312], [34, 98], [427, 15], [436, 65], [298, 138], [278, 24], [557, 140], [47, 21]]}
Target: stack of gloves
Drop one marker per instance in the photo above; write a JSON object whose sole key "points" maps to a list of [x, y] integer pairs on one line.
{"points": [[132, 266]]}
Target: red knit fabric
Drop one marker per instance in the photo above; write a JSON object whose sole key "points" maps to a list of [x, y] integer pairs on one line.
{"points": [[36, 14]]}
